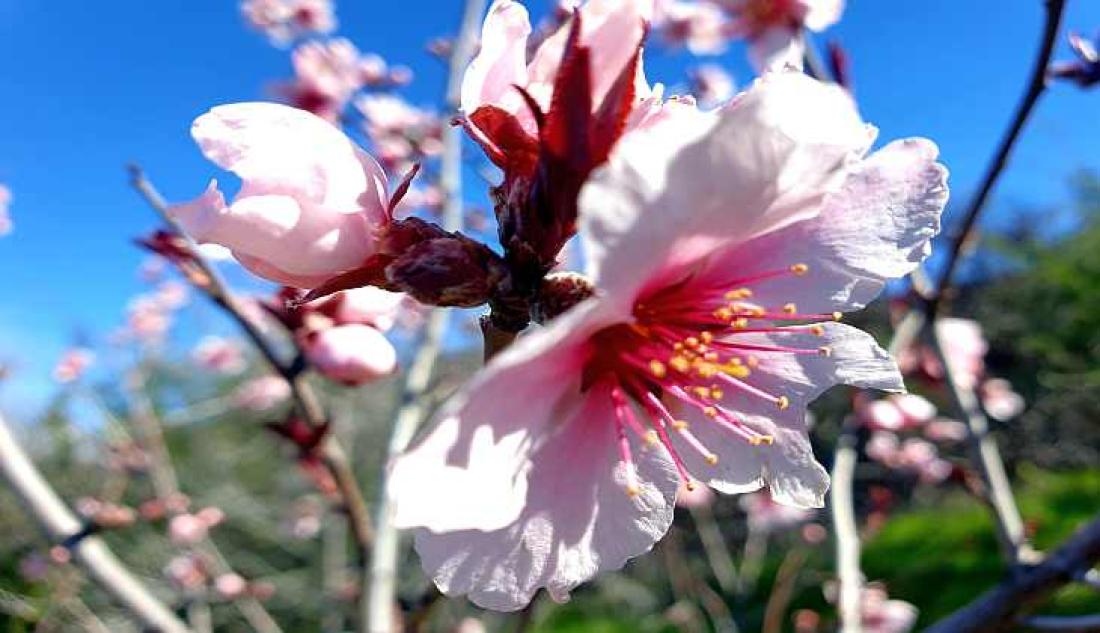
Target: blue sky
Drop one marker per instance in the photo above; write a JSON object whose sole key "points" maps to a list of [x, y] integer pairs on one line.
{"points": [[89, 86]]}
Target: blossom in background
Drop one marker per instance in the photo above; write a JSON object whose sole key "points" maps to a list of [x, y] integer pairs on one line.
{"points": [[5, 218], [400, 133], [721, 248], [999, 400], [230, 586], [327, 74], [773, 28], [765, 515], [711, 85], [219, 355], [261, 394], [896, 412], [187, 572], [149, 316], [72, 365], [282, 21], [311, 202], [913, 455], [189, 529], [882, 615], [1085, 70], [703, 27]]}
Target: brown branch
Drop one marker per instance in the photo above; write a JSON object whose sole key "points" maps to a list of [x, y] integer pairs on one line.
{"points": [[90, 552], [305, 400], [998, 608], [1036, 85]]}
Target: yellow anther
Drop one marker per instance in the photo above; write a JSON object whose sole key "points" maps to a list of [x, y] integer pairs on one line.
{"points": [[701, 392], [706, 337], [717, 393], [739, 324], [825, 350], [740, 293], [737, 370], [710, 412], [657, 368], [706, 370], [679, 425], [711, 356], [783, 402], [632, 491], [790, 308], [677, 347], [817, 330], [690, 485], [838, 316], [723, 314], [651, 438], [711, 459], [680, 364], [800, 269], [691, 342], [752, 361], [762, 439]]}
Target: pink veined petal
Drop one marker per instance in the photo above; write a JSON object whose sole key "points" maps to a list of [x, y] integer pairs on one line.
{"points": [[278, 149], [878, 226], [675, 193], [576, 520], [470, 470], [501, 64]]}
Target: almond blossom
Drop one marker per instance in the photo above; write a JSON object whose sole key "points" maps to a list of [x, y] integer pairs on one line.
{"points": [[327, 74], [722, 249], [773, 28], [219, 355], [72, 365], [311, 202]]}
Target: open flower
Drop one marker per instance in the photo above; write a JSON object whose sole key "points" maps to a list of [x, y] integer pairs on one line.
{"points": [[311, 202], [720, 248]]}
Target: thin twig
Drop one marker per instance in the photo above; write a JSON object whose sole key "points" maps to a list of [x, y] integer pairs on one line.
{"points": [[1067, 623], [380, 582], [783, 590], [47, 509], [305, 400], [1036, 85], [846, 530], [996, 609], [987, 458]]}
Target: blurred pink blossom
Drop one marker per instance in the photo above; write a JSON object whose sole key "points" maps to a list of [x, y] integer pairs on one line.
{"points": [[230, 586], [350, 354], [945, 430], [711, 85], [5, 218], [311, 202], [187, 529], [219, 355], [882, 615], [896, 412], [261, 394], [765, 515], [773, 27], [187, 572], [1000, 400], [327, 74], [702, 26], [72, 365], [285, 20]]}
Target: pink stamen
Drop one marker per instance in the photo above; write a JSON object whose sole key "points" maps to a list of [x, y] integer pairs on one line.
{"points": [[781, 401], [660, 416]]}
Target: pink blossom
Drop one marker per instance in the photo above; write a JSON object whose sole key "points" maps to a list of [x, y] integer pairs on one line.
{"points": [[350, 354], [311, 202], [327, 73], [773, 27], [711, 85], [765, 515], [1000, 401], [187, 572], [5, 218], [285, 20], [219, 355], [400, 133], [261, 394], [882, 615], [720, 247], [611, 29], [367, 306], [230, 586], [701, 26], [897, 412], [945, 430], [74, 362], [189, 529], [965, 348]]}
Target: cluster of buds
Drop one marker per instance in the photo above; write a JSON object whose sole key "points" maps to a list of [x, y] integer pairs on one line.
{"points": [[149, 316], [188, 529], [283, 21], [105, 514], [888, 417]]}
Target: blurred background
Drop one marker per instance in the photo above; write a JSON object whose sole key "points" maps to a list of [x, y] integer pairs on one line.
{"points": [[97, 337]]}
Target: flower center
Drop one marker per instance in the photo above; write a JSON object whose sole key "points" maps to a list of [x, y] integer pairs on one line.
{"points": [[691, 347]]}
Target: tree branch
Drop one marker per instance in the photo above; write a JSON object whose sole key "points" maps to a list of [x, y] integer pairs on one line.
{"points": [[996, 610], [59, 523]]}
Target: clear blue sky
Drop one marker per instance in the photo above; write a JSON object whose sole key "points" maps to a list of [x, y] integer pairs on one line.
{"points": [[89, 86]]}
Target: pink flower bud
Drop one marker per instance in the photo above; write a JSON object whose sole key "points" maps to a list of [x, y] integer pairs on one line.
{"points": [[230, 586], [351, 354]]}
